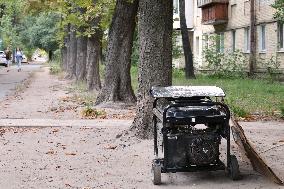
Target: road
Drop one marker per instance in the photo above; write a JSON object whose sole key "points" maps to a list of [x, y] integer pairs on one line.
{"points": [[10, 80]]}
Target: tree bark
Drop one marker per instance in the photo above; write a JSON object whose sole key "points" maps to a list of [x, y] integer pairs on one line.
{"points": [[81, 58], [72, 54], [93, 58], [63, 58], [65, 49], [189, 69], [155, 25], [117, 85], [252, 57], [50, 55]]}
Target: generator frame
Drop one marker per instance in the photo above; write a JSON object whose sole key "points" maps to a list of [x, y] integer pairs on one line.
{"points": [[184, 97]]}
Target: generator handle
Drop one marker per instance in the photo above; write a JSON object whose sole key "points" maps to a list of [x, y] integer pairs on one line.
{"points": [[226, 108]]}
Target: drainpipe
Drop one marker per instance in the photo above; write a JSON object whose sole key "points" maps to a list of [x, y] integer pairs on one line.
{"points": [[252, 58]]}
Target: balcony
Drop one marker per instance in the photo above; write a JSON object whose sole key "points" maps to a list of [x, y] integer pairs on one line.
{"points": [[204, 3], [215, 14]]}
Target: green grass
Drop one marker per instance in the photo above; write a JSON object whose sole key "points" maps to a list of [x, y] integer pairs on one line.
{"points": [[55, 67], [244, 96]]}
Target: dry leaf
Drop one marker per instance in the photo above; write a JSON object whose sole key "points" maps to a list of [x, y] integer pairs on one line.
{"points": [[50, 152], [112, 147], [70, 154]]}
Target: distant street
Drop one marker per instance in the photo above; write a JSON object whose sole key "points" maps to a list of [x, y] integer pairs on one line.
{"points": [[9, 80]]}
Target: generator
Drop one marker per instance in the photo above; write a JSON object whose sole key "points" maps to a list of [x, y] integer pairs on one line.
{"points": [[188, 127]]}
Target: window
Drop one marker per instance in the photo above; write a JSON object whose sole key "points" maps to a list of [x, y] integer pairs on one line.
{"points": [[280, 36], [220, 43], [262, 45], [233, 40], [247, 40]]}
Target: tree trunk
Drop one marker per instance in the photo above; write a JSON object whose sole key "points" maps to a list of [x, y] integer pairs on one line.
{"points": [[81, 58], [63, 58], [93, 58], [252, 57], [155, 65], [189, 69], [72, 54], [117, 85], [50, 55], [65, 49]]}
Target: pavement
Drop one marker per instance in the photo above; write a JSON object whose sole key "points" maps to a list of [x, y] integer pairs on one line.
{"points": [[10, 80]]}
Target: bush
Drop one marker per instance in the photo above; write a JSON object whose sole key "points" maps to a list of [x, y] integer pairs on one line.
{"points": [[224, 65], [55, 68], [272, 68]]}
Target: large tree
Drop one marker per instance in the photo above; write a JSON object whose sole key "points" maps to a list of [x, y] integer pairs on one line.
{"points": [[72, 53], [117, 84], [81, 62], [189, 69], [155, 25], [94, 47]]}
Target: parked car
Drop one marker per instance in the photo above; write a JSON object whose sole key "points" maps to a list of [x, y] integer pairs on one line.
{"points": [[2, 59]]}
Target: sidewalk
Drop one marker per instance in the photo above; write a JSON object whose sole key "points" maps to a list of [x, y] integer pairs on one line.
{"points": [[9, 80]]}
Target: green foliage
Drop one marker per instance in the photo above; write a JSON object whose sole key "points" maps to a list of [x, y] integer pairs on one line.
{"points": [[41, 31], [279, 6], [86, 15], [271, 66], [177, 47], [224, 65], [11, 13], [55, 67]]}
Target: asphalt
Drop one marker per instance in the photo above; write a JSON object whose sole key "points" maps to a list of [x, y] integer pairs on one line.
{"points": [[9, 80]]}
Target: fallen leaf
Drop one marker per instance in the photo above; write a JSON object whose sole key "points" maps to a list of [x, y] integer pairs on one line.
{"points": [[70, 154], [51, 152], [112, 147]]}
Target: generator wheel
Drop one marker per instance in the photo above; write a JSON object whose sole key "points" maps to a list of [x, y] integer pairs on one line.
{"points": [[156, 170], [233, 169]]}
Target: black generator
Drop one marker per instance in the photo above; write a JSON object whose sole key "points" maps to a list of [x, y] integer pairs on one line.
{"points": [[188, 128]]}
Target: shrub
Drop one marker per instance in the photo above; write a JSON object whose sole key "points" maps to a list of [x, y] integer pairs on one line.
{"points": [[55, 68], [224, 65]]}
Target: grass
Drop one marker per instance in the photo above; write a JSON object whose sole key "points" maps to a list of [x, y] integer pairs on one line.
{"points": [[55, 67], [244, 96]]}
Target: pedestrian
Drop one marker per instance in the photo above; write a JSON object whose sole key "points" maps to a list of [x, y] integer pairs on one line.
{"points": [[19, 58], [8, 54]]}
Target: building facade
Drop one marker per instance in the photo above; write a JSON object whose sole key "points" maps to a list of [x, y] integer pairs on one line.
{"points": [[231, 21]]}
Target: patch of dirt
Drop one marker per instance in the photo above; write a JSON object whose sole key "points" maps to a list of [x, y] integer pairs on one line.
{"points": [[94, 157]]}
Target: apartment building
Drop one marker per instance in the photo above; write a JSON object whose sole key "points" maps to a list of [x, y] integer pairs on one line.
{"points": [[231, 20]]}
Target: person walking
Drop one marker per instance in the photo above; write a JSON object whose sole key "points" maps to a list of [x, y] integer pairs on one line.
{"points": [[19, 58], [8, 54]]}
